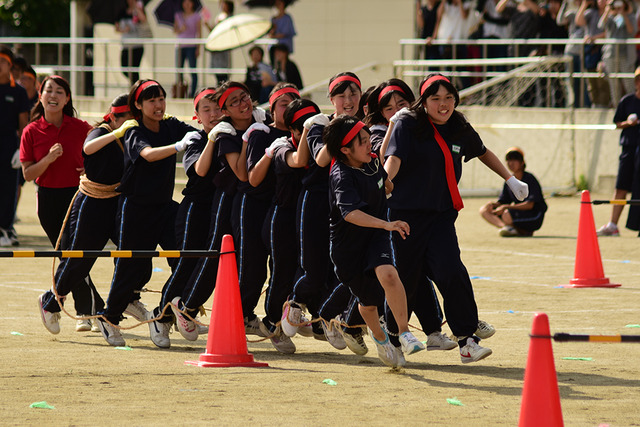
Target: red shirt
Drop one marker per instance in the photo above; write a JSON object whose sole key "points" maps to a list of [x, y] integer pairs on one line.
{"points": [[39, 136]]}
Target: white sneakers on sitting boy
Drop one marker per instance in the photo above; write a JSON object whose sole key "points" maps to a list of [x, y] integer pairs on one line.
{"points": [[472, 351], [410, 344]]}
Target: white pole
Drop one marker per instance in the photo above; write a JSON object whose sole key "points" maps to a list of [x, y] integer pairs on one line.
{"points": [[73, 49]]}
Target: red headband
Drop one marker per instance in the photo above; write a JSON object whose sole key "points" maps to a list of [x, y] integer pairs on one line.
{"points": [[116, 110], [352, 133], [283, 91], [302, 112], [226, 94], [143, 86], [202, 95], [344, 79], [7, 57], [51, 77], [388, 89], [30, 74], [430, 80]]}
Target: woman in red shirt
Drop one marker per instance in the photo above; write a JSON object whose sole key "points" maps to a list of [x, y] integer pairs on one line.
{"points": [[51, 153]]}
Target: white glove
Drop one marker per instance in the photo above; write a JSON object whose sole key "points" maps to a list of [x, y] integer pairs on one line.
{"points": [[222, 127], [318, 119], [15, 160], [188, 139], [256, 126], [259, 115], [280, 142], [119, 133], [400, 114], [520, 189]]}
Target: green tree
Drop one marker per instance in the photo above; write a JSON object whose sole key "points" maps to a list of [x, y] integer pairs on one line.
{"points": [[36, 18]]}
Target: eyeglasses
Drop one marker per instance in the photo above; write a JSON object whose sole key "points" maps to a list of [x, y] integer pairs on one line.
{"points": [[236, 102]]}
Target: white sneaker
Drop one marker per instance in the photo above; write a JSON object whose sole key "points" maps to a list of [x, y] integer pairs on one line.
{"points": [[111, 335], [137, 310], [159, 332], [5, 241], [400, 356], [50, 320], [202, 329], [305, 330], [334, 336], [291, 316], [386, 351], [472, 352], [609, 229], [186, 326], [255, 327], [94, 326], [485, 330], [410, 344], [356, 342], [282, 343], [508, 231], [440, 341], [83, 325]]}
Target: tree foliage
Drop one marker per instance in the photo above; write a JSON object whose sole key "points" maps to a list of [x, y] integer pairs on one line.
{"points": [[36, 18]]}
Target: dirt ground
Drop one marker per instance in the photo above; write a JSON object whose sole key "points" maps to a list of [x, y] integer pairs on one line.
{"points": [[90, 383]]}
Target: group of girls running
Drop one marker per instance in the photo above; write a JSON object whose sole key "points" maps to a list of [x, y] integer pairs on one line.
{"points": [[354, 218]]}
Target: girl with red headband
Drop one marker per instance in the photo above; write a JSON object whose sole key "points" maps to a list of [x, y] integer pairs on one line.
{"points": [[318, 288], [286, 158], [51, 153], [254, 199], [427, 146], [146, 211], [194, 214], [92, 217], [360, 246]]}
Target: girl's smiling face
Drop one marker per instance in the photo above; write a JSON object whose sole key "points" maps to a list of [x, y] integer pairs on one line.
{"points": [[440, 106], [238, 105], [153, 108], [395, 104], [348, 101], [53, 97], [209, 114]]}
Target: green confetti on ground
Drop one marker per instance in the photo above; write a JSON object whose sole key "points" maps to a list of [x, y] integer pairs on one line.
{"points": [[17, 334], [41, 405], [632, 326], [587, 359], [127, 348], [454, 401], [329, 381]]}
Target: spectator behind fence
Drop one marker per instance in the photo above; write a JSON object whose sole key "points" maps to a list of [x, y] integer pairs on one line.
{"points": [[132, 23], [625, 118], [187, 25], [588, 17], [567, 18], [495, 26], [550, 29], [259, 76], [283, 29], [451, 25], [285, 69], [618, 23], [221, 59], [512, 216], [426, 21]]}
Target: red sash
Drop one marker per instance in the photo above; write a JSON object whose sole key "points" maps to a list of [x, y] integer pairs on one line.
{"points": [[449, 170]]}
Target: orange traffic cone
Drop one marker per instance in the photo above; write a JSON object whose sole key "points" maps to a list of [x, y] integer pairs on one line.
{"points": [[540, 395], [226, 342], [588, 272]]}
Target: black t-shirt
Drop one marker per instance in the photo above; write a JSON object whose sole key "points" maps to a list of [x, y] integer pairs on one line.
{"points": [[106, 165], [377, 137], [316, 178], [535, 195], [13, 102], [226, 179], [627, 105], [259, 141], [288, 179], [198, 186], [421, 183], [353, 189], [151, 182]]}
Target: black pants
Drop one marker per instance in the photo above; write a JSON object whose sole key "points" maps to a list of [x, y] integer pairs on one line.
{"points": [[140, 227], [431, 250], [279, 232], [135, 53], [203, 279], [90, 226], [192, 228], [8, 193], [318, 279], [247, 219], [53, 204]]}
